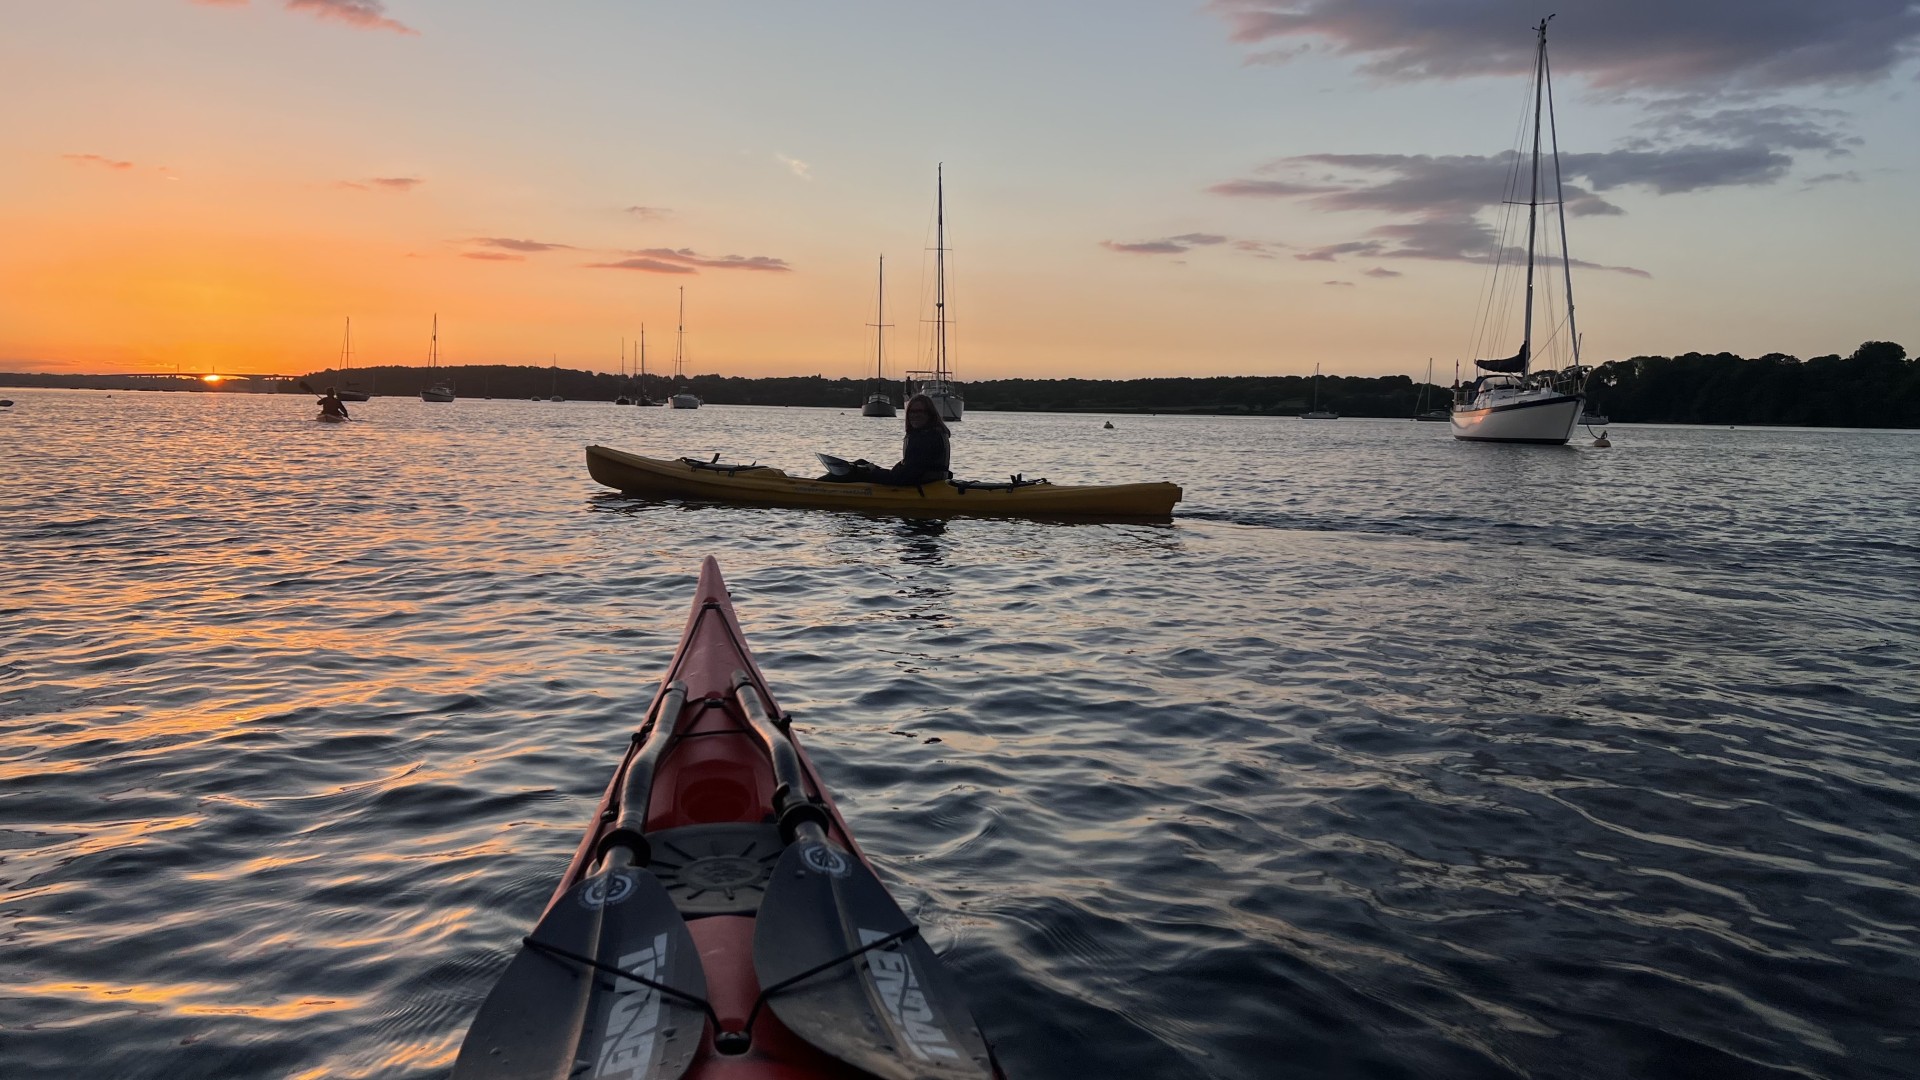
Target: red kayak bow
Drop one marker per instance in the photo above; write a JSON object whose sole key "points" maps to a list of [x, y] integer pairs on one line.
{"points": [[718, 921]]}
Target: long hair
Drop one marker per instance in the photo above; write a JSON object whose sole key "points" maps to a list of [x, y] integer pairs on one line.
{"points": [[939, 425]]}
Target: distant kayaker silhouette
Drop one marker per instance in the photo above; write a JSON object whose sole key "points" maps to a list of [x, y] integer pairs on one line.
{"points": [[926, 454], [331, 405]]}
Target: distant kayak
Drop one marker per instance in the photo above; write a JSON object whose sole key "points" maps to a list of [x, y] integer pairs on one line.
{"points": [[718, 922], [331, 418], [762, 485]]}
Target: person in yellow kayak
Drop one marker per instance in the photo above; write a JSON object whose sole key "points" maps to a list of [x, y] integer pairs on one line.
{"points": [[926, 454], [331, 405]]}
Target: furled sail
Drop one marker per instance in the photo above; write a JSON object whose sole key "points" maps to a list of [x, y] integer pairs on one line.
{"points": [[1517, 363]]}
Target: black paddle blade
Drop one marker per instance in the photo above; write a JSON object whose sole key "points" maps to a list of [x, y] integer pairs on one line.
{"points": [[892, 1011], [552, 1016]]}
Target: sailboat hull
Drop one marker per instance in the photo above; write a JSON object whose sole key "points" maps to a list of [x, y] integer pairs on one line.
{"points": [[1544, 419], [945, 399], [351, 395], [877, 405]]}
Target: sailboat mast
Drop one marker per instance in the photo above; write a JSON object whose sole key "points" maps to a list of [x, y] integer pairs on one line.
{"points": [[680, 337], [880, 325], [940, 273], [433, 344], [1559, 191], [346, 348], [1533, 198]]}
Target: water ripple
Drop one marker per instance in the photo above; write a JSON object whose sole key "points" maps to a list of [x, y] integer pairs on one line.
{"points": [[1390, 757]]}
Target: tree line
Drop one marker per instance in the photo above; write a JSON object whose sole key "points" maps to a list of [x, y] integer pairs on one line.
{"points": [[1878, 385]]}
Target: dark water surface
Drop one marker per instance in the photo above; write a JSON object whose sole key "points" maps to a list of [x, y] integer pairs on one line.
{"points": [[1390, 757]]}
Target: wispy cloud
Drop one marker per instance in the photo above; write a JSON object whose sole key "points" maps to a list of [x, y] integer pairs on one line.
{"points": [[650, 213], [1382, 272], [492, 256], [650, 266], [688, 261], [364, 14], [527, 246], [1186, 242], [400, 184], [98, 161], [795, 166], [1260, 249], [1339, 284], [1715, 46], [1172, 245], [1446, 196]]}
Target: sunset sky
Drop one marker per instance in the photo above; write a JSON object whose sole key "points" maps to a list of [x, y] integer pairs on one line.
{"points": [[1134, 187]]}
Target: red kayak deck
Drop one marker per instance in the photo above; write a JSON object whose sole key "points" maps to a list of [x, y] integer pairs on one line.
{"points": [[712, 839], [714, 771]]}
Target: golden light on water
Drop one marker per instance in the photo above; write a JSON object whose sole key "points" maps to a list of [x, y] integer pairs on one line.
{"points": [[179, 998], [211, 378]]}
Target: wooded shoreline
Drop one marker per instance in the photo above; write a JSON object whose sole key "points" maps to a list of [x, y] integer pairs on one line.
{"points": [[1878, 385]]}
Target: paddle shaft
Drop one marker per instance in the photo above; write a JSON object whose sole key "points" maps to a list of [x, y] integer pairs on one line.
{"points": [[629, 832], [792, 807]]}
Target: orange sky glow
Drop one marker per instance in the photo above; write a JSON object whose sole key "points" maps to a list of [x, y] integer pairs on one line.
{"points": [[219, 185]]}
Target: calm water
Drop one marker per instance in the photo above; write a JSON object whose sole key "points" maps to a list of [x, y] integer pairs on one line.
{"points": [[1390, 757]]}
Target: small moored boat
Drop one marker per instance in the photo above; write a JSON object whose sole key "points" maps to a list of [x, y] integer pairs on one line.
{"points": [[763, 485]]}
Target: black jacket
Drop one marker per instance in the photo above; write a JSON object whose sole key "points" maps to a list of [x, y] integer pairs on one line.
{"points": [[928, 456]]}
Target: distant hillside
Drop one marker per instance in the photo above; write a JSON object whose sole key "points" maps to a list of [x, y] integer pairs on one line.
{"points": [[1877, 386]]}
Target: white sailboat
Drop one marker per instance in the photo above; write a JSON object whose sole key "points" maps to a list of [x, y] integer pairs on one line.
{"points": [[346, 391], [682, 398], [938, 384], [1518, 401], [1318, 413], [879, 402], [438, 388]]}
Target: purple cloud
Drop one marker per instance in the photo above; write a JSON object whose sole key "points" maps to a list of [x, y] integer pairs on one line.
{"points": [[1172, 245], [650, 266], [363, 14], [1712, 45], [96, 159], [688, 261], [525, 246], [400, 184]]}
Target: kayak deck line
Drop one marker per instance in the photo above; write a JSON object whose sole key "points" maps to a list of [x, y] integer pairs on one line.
{"points": [[718, 920], [764, 485]]}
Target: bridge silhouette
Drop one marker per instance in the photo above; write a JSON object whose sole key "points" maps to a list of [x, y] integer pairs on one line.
{"points": [[208, 376]]}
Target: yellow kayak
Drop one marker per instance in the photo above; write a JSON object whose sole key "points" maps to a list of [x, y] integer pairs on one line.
{"points": [[763, 485]]}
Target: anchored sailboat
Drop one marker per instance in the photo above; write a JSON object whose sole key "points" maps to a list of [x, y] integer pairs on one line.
{"points": [[438, 388], [643, 399], [1517, 401], [879, 403], [1318, 413], [1420, 410], [346, 391], [938, 383], [682, 398]]}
